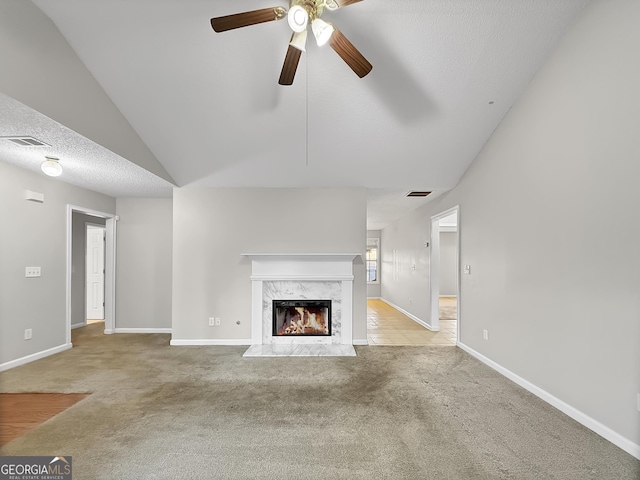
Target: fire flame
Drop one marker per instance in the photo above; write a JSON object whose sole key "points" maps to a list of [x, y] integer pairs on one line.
{"points": [[305, 322]]}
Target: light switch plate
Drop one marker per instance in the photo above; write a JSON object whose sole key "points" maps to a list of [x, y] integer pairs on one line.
{"points": [[32, 272]]}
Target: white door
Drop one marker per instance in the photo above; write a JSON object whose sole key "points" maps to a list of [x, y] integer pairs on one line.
{"points": [[95, 272]]}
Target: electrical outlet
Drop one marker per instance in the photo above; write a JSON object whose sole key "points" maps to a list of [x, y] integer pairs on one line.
{"points": [[28, 334], [32, 272], [211, 322], [217, 321], [485, 334], [467, 269]]}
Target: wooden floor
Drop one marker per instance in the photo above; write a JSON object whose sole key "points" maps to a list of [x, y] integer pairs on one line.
{"points": [[21, 412], [388, 326]]}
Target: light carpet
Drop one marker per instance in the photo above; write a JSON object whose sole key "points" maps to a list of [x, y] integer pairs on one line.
{"points": [[161, 412]]}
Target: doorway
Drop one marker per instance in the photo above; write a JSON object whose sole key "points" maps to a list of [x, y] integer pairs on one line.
{"points": [[444, 271], [94, 272], [79, 303]]}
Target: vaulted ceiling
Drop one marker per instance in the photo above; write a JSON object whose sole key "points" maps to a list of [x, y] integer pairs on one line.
{"points": [[209, 107]]}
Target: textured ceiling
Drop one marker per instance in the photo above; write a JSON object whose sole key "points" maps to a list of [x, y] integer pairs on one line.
{"points": [[209, 107], [84, 162]]}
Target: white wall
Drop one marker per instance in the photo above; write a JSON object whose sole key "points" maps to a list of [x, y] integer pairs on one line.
{"points": [[557, 286], [47, 75], [448, 259], [143, 269], [402, 285], [213, 227], [35, 234]]}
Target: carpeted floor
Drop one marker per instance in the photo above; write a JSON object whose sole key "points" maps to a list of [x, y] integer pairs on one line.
{"points": [[161, 412]]}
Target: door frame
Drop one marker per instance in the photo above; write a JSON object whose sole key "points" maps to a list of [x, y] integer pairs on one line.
{"points": [[88, 225], [434, 269], [109, 267]]}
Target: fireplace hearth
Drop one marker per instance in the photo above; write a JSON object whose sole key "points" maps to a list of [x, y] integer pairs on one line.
{"points": [[301, 318]]}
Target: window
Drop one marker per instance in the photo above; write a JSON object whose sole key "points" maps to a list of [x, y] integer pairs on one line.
{"points": [[372, 259]]}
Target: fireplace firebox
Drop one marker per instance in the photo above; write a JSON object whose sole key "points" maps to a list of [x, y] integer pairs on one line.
{"points": [[301, 318]]}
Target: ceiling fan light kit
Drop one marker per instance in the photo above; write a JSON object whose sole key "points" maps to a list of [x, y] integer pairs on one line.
{"points": [[299, 40], [299, 15], [322, 31], [298, 18]]}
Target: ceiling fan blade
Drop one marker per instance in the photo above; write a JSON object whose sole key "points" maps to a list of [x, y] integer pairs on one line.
{"points": [[349, 53], [237, 20], [290, 66], [346, 3]]}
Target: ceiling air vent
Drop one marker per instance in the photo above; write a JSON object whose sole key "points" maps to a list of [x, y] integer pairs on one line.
{"points": [[26, 141], [417, 194]]}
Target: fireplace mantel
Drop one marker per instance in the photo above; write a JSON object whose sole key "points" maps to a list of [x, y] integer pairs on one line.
{"points": [[301, 266], [306, 269], [308, 257]]}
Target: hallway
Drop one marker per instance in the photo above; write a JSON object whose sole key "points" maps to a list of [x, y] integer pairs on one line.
{"points": [[388, 326]]}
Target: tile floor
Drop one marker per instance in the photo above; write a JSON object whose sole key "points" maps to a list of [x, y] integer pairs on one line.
{"points": [[387, 326]]}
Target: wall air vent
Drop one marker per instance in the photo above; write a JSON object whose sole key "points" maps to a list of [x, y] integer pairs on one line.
{"points": [[417, 194], [26, 141]]}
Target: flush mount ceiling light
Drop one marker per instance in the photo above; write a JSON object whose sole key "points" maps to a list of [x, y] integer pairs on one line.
{"points": [[51, 166], [299, 15]]}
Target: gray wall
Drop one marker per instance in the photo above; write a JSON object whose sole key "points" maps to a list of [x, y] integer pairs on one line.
{"points": [[373, 289], [47, 75], [35, 234], [143, 269], [78, 264], [448, 248], [213, 227], [557, 286]]}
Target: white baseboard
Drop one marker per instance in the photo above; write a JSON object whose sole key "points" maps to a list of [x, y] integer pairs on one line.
{"points": [[374, 298], [34, 356], [78, 325], [141, 330], [360, 341], [449, 296], [412, 317], [211, 341], [592, 424]]}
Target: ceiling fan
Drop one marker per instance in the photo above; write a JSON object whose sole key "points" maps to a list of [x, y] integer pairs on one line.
{"points": [[300, 15]]}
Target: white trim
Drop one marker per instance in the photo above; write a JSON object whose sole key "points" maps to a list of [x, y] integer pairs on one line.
{"points": [[294, 278], [211, 341], [142, 330], [110, 274], [582, 418], [360, 341], [448, 296], [78, 325], [304, 257], [434, 268], [411, 316], [374, 298], [34, 356]]}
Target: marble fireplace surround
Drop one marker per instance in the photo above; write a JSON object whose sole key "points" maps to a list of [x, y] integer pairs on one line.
{"points": [[313, 276]]}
